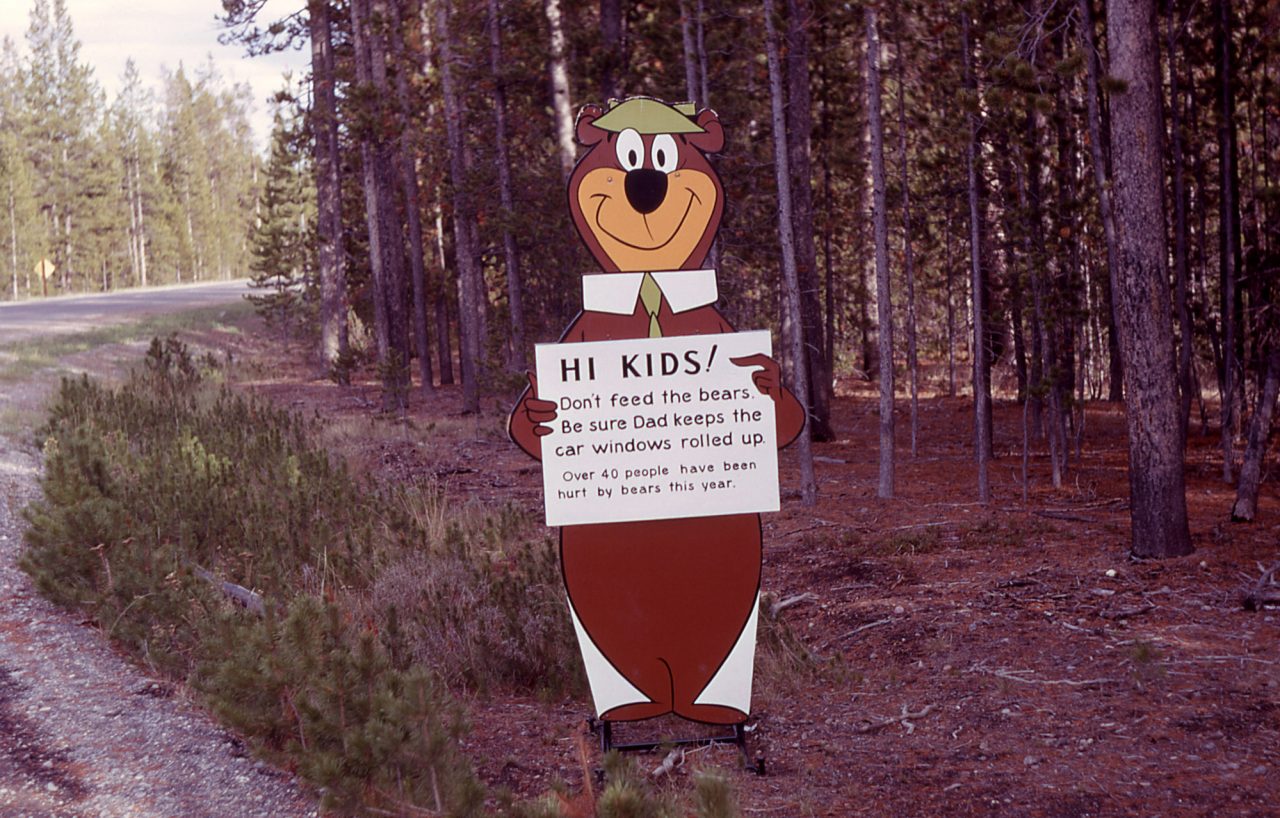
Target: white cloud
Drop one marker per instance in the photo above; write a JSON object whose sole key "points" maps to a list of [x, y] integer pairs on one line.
{"points": [[160, 34]]}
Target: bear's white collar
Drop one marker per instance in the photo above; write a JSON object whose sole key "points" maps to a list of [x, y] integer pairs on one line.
{"points": [[616, 293]]}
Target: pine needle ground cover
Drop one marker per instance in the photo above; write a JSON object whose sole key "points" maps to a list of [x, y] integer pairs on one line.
{"points": [[320, 614]]}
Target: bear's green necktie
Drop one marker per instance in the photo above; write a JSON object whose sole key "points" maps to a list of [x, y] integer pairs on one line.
{"points": [[651, 297]]}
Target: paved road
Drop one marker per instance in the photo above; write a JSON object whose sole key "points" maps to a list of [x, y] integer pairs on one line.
{"points": [[76, 313]]}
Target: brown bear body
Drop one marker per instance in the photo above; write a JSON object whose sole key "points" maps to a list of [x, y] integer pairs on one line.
{"points": [[664, 601]]}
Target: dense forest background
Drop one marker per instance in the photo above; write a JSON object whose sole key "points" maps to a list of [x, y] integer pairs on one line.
{"points": [[1027, 198], [133, 191], [1019, 198]]}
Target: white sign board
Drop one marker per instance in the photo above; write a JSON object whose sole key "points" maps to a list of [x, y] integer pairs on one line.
{"points": [[658, 428]]}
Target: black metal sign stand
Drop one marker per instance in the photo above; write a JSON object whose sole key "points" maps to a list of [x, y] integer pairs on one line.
{"points": [[604, 729]]}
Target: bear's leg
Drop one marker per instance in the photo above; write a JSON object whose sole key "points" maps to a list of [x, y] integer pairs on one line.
{"points": [[664, 601], [654, 680], [726, 697]]}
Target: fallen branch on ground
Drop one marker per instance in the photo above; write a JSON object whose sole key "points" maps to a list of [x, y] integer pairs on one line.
{"points": [[249, 600], [1074, 518], [782, 604], [1015, 676], [1264, 592], [917, 525], [867, 626], [904, 719], [1127, 613], [674, 759]]}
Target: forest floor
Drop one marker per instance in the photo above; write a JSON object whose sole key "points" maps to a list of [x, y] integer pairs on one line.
{"points": [[1006, 659], [959, 659]]}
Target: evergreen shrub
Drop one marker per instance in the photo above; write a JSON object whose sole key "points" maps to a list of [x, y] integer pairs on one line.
{"points": [[164, 492]]}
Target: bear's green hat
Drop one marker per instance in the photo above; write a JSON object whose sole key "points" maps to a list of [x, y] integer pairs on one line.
{"points": [[649, 116]]}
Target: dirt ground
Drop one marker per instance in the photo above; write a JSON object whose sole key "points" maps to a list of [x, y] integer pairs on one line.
{"points": [[966, 660]]}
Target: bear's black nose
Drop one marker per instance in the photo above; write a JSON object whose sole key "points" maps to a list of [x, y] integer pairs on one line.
{"points": [[646, 189]]}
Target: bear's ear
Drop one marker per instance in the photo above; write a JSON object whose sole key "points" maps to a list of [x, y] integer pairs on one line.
{"points": [[588, 133], [713, 140]]}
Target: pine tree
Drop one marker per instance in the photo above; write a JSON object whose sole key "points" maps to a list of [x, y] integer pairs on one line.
{"points": [[102, 218], [129, 114], [62, 100], [22, 237], [282, 242]]}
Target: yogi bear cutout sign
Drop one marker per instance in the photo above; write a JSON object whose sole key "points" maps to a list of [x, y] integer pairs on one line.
{"points": [[665, 609]]}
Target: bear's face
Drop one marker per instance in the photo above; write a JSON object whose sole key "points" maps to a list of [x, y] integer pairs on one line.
{"points": [[647, 202]]}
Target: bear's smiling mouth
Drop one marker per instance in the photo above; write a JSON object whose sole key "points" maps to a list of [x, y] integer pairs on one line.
{"points": [[604, 197]]}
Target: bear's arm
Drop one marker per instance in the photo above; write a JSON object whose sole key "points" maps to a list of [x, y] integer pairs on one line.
{"points": [[788, 418], [519, 425], [787, 411]]}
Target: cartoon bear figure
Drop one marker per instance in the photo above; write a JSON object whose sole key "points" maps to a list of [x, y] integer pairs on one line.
{"points": [[665, 610]]}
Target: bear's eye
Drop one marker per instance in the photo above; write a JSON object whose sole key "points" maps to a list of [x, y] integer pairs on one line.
{"points": [[630, 148], [665, 155]]}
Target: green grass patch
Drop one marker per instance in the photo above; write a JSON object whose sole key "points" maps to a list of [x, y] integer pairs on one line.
{"points": [[20, 360], [1004, 531], [919, 540], [16, 422]]}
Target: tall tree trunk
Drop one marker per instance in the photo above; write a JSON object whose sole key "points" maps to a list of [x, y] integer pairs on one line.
{"points": [[690, 53], [1180, 265], [704, 100], [612, 62], [372, 205], [438, 287], [907, 254], [388, 213], [1229, 227], [1158, 500], [1017, 284], [332, 260], [1200, 279], [67, 269], [951, 309], [1006, 171], [444, 353], [1246, 504], [133, 219], [470, 288], [515, 299], [561, 105], [1045, 342], [142, 223], [865, 264], [369, 20], [406, 166], [981, 388], [704, 93], [828, 217], [790, 278], [191, 239], [1096, 143], [44, 275], [799, 132], [880, 218], [13, 238], [1061, 292]]}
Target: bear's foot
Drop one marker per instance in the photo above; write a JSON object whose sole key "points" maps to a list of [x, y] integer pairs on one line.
{"points": [[637, 711], [711, 713]]}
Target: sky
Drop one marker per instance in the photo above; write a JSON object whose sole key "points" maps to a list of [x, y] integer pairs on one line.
{"points": [[161, 34]]}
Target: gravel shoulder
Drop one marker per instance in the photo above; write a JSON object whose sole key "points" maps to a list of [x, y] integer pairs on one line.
{"points": [[83, 731]]}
